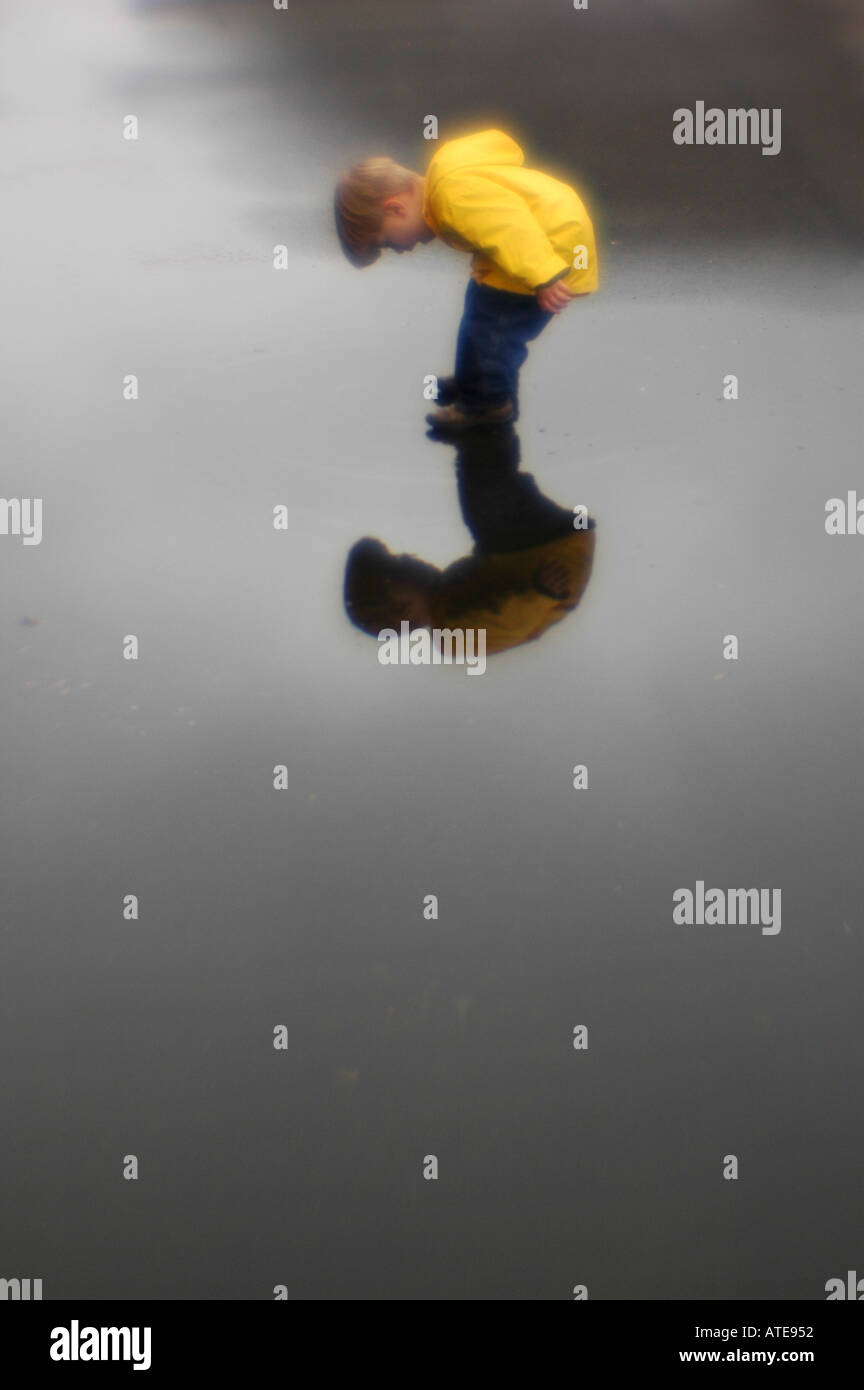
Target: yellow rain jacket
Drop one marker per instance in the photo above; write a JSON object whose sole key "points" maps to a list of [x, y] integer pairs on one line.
{"points": [[525, 228]]}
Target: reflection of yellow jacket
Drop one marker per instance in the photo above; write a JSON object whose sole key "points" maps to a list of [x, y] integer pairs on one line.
{"points": [[524, 227], [498, 592]]}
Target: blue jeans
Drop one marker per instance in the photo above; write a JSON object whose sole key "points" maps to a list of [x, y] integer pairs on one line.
{"points": [[491, 347]]}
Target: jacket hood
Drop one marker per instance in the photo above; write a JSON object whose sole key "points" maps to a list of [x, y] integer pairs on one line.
{"points": [[489, 147]]}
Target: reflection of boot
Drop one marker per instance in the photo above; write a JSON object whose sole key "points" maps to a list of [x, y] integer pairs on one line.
{"points": [[454, 419]]}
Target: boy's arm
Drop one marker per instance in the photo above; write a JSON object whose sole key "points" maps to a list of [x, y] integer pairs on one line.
{"points": [[499, 223]]}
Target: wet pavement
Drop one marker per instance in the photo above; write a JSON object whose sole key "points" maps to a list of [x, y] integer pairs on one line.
{"points": [[303, 389]]}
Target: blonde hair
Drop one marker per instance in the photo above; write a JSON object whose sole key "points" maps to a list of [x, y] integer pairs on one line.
{"points": [[357, 205]]}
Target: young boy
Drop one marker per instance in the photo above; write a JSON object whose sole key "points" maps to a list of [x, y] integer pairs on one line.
{"points": [[533, 246]]}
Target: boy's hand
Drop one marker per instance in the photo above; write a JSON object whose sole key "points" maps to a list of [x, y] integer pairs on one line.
{"points": [[553, 580], [554, 298]]}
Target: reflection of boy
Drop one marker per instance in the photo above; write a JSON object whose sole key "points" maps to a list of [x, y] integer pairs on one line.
{"points": [[528, 570]]}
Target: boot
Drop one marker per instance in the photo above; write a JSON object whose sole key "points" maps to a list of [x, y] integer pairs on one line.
{"points": [[454, 419]]}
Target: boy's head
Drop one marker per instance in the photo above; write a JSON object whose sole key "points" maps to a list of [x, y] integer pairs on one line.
{"points": [[378, 203], [382, 590]]}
